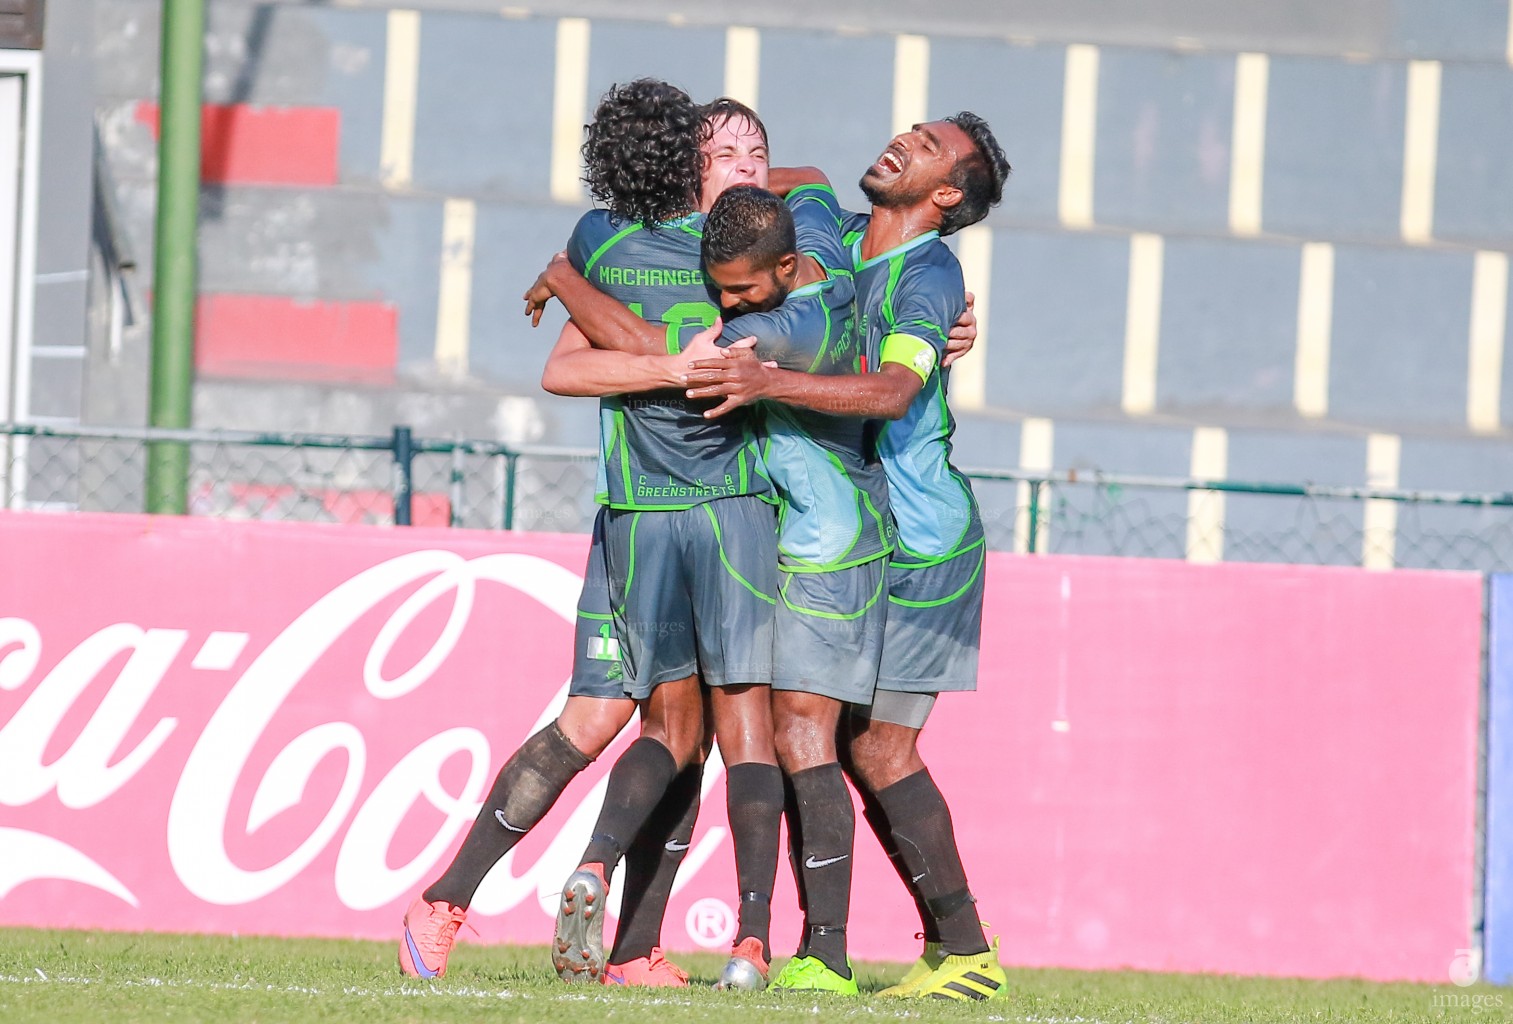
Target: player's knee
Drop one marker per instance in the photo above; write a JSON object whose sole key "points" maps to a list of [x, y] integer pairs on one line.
{"points": [[591, 724], [881, 758], [803, 743], [680, 732]]}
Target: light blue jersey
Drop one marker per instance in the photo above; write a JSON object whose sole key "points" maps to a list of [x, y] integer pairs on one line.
{"points": [[907, 300], [833, 510]]}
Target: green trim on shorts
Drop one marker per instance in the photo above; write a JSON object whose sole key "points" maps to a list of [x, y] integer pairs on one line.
{"points": [[811, 568], [720, 542], [630, 570], [882, 578], [981, 559], [927, 560], [630, 506]]}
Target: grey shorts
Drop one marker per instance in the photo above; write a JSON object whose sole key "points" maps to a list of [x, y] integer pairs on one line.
{"points": [[830, 631], [596, 651], [693, 590], [934, 629]]}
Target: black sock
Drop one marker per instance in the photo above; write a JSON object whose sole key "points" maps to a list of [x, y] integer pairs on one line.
{"points": [[921, 823], [523, 791], [878, 822], [796, 860], [637, 784], [829, 832], [652, 863], [754, 803]]}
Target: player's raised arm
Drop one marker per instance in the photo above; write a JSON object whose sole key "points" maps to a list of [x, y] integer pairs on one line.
{"points": [[783, 180], [605, 322]]}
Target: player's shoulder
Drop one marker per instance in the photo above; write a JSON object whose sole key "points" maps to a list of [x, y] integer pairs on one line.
{"points": [[601, 224], [931, 264], [816, 200], [595, 233], [766, 326]]}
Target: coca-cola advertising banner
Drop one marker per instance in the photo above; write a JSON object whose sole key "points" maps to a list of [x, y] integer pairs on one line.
{"points": [[281, 728]]}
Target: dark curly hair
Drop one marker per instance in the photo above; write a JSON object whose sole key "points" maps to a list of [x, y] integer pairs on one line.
{"points": [[751, 223], [641, 153], [980, 174]]}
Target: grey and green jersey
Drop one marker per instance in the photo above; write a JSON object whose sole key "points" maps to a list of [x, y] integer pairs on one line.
{"points": [[833, 511], [657, 451], [907, 300]]}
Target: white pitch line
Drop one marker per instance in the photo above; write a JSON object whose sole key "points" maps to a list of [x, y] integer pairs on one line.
{"points": [[868, 1010]]}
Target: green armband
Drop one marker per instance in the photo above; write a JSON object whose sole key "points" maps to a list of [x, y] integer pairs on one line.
{"points": [[907, 350]]}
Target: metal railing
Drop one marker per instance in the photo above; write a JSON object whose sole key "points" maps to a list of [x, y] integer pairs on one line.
{"points": [[407, 480]]}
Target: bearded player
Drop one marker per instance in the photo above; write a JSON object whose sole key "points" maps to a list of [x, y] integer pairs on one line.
{"points": [[929, 182]]}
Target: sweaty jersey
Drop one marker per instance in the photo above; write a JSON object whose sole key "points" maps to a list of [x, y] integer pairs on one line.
{"points": [[833, 509], [657, 451], [907, 300]]}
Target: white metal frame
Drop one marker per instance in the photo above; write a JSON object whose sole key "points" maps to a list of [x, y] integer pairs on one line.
{"points": [[15, 365]]}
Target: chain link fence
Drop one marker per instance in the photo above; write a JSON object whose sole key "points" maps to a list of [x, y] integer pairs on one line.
{"points": [[490, 485]]}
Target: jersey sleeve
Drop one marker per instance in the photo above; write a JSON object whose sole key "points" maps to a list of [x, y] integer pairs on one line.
{"points": [[773, 334], [817, 225], [589, 235], [927, 301]]}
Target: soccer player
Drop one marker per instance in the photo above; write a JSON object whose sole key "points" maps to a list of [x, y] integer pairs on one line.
{"points": [[664, 128], [781, 273], [834, 540], [690, 544], [930, 181]]}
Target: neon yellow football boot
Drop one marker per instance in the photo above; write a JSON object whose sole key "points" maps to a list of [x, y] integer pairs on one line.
{"points": [[809, 974], [972, 977], [918, 972]]}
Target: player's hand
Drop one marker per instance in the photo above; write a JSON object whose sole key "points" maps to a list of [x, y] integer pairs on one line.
{"points": [[737, 376], [539, 294], [702, 345], [963, 334]]}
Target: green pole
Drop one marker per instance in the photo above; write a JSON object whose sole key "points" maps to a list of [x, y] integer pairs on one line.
{"points": [[1032, 540], [174, 264]]}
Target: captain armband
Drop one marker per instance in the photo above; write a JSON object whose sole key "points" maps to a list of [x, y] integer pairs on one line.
{"points": [[907, 350]]}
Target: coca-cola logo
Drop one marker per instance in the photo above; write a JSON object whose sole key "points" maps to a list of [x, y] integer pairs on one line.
{"points": [[432, 593]]}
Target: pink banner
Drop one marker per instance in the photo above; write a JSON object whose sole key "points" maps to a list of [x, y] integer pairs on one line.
{"points": [[279, 728]]}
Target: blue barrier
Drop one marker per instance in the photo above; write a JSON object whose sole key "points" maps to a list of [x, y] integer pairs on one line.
{"points": [[1498, 892]]}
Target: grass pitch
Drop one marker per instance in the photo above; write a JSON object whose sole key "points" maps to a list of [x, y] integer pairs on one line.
{"points": [[56, 976]]}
